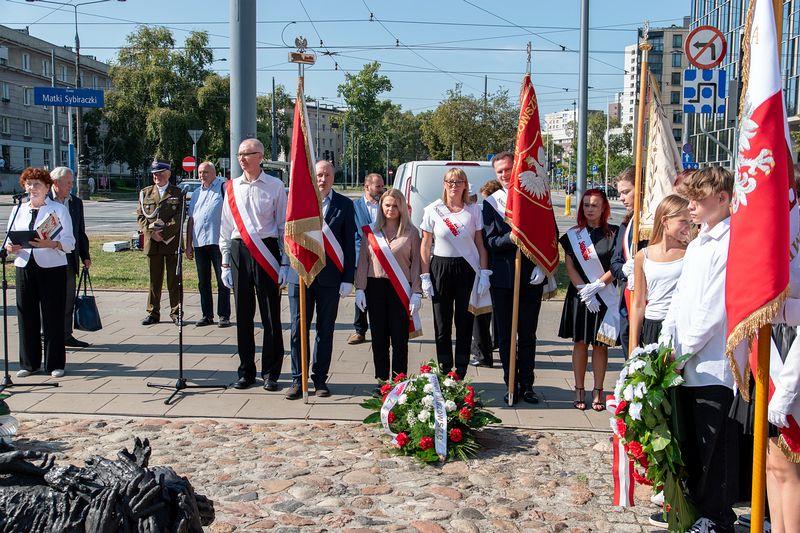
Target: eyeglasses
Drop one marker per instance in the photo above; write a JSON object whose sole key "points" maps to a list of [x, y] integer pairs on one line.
{"points": [[454, 183], [246, 154]]}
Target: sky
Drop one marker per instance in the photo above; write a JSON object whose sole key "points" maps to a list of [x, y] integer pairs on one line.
{"points": [[424, 47]]}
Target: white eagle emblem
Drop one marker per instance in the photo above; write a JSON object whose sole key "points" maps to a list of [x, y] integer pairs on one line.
{"points": [[536, 181], [747, 167]]}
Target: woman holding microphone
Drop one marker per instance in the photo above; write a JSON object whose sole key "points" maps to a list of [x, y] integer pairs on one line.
{"points": [[454, 276], [388, 284]]}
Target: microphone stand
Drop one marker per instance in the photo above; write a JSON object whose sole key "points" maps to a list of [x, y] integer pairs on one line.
{"points": [[7, 383], [181, 384]]}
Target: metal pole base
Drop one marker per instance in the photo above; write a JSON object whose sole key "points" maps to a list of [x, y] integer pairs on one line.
{"points": [[181, 385], [7, 384]]}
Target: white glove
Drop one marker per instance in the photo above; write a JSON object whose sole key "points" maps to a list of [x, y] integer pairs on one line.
{"points": [[227, 277], [780, 407], [591, 289], [427, 285], [592, 304], [537, 276], [631, 280], [345, 289], [776, 417], [283, 275], [483, 281], [627, 268], [415, 304], [361, 300]]}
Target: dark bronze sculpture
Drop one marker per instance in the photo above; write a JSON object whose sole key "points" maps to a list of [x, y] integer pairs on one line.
{"points": [[104, 496]]}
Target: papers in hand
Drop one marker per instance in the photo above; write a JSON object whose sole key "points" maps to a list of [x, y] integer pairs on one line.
{"points": [[49, 227]]}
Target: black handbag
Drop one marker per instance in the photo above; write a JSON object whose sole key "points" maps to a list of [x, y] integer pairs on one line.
{"points": [[86, 315]]}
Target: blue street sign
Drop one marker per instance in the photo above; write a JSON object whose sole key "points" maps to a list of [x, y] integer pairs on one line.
{"points": [[687, 148], [558, 172], [691, 165], [594, 169], [489, 157], [686, 158], [65, 96], [704, 91]]}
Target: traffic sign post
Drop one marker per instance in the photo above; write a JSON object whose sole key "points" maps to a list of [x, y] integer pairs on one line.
{"points": [[195, 135], [189, 164], [705, 47], [704, 91]]}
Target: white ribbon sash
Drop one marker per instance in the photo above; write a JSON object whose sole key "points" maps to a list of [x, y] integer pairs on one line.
{"points": [[589, 263], [256, 246], [380, 247], [498, 201], [388, 404], [465, 244], [332, 247]]}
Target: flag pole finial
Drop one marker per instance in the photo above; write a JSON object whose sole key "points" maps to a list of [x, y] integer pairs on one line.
{"points": [[528, 50]]}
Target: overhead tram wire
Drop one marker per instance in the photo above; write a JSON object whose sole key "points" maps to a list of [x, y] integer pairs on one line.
{"points": [[52, 10], [321, 42]]}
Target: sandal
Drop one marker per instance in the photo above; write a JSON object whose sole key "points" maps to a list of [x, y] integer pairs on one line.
{"points": [[598, 405], [580, 402]]}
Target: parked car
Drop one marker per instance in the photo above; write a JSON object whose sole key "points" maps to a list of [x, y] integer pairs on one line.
{"points": [[421, 181], [611, 192], [189, 186]]}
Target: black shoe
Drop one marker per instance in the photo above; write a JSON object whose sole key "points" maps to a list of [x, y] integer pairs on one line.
{"points": [[271, 385], [516, 398], [243, 383], [149, 320], [658, 519], [321, 391], [72, 342], [529, 395], [205, 321], [224, 322], [295, 392]]}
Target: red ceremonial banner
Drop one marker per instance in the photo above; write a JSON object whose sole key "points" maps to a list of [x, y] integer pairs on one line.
{"points": [[529, 209], [303, 232]]}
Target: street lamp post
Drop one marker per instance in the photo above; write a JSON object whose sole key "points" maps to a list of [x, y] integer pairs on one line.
{"points": [[82, 179]]}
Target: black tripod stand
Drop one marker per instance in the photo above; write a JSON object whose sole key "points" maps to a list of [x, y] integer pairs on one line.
{"points": [[7, 383], [181, 383]]}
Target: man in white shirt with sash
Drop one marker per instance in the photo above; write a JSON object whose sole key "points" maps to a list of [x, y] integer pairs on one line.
{"points": [[250, 240]]}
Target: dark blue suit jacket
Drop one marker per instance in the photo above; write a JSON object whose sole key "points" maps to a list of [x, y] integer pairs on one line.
{"points": [[502, 250], [340, 217], [81, 252]]}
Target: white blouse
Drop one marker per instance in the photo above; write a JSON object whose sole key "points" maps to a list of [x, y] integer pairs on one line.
{"points": [[45, 257], [464, 224]]}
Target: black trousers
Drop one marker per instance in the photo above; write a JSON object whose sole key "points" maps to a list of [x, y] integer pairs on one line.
{"points": [[251, 285], [206, 257], [452, 279], [360, 323], [482, 337], [69, 305], [326, 301], [530, 303], [711, 451], [41, 296], [389, 319]]}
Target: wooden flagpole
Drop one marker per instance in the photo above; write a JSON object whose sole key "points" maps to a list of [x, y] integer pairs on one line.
{"points": [[760, 429], [645, 47], [303, 340]]}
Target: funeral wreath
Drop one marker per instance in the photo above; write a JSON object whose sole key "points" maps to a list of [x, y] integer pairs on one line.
{"points": [[432, 416]]}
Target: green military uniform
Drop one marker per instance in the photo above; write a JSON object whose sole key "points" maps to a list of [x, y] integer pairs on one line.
{"points": [[153, 212]]}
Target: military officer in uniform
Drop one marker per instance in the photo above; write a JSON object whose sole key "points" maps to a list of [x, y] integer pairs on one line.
{"points": [[159, 218]]}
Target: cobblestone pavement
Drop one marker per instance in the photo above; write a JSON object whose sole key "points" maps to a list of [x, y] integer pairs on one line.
{"points": [[319, 476]]}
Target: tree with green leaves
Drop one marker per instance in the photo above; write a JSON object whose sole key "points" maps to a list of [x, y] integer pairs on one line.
{"points": [[364, 116], [284, 107], [404, 137]]}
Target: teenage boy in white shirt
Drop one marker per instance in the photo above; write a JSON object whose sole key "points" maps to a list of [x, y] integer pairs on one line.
{"points": [[696, 324]]}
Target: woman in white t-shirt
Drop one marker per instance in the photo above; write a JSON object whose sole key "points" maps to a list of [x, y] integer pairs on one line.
{"points": [[658, 267], [448, 276]]}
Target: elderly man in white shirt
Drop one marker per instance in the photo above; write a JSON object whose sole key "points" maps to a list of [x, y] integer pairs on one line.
{"points": [[251, 243]]}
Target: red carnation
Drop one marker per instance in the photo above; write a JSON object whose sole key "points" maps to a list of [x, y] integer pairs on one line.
{"points": [[469, 401], [402, 439], [425, 443], [621, 407], [641, 479], [455, 435], [399, 377], [464, 414], [635, 449], [386, 388], [470, 390], [425, 369], [383, 400], [391, 417], [453, 375], [621, 427], [643, 461]]}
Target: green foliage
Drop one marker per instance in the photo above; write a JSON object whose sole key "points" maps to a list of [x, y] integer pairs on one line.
{"points": [[364, 116], [284, 115], [404, 137]]}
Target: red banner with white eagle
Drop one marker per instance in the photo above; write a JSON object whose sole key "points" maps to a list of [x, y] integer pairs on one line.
{"points": [[758, 258], [529, 209], [303, 232]]}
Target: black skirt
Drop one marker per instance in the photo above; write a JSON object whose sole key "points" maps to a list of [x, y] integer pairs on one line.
{"points": [[651, 329], [744, 412], [577, 322]]}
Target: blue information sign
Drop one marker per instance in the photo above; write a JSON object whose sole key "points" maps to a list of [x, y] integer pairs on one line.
{"points": [[65, 96]]}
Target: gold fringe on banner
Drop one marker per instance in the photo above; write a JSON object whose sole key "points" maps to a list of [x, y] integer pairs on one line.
{"points": [[523, 246], [793, 457], [479, 310], [297, 231], [745, 331]]}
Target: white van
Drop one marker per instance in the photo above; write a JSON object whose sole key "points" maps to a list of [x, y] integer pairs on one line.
{"points": [[421, 182]]}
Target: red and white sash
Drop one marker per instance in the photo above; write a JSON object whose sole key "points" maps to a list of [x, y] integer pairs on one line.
{"points": [[588, 262], [380, 247], [332, 247], [465, 244], [256, 246], [622, 465]]}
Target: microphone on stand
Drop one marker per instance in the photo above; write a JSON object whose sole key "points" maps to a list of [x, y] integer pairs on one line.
{"points": [[19, 196]]}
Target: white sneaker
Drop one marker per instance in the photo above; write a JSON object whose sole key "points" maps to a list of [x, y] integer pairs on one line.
{"points": [[657, 499], [57, 373], [22, 373]]}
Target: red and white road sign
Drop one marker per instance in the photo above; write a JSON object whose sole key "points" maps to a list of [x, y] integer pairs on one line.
{"points": [[189, 163], [705, 47]]}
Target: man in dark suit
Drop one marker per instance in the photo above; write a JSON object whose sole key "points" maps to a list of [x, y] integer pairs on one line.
{"points": [[62, 192], [330, 284], [503, 251], [159, 218]]}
